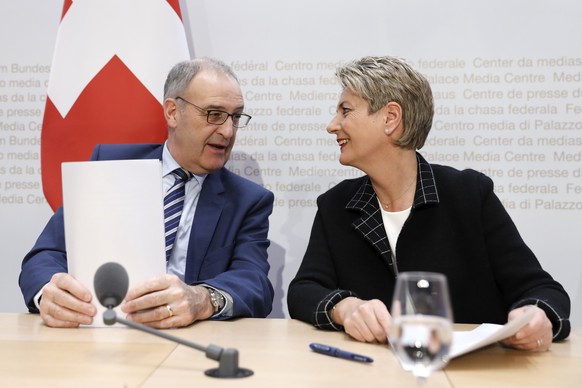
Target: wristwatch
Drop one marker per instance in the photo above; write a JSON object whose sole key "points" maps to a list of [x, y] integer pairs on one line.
{"points": [[216, 299]]}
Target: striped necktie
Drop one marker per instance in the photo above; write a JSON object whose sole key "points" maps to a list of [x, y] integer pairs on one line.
{"points": [[173, 205]]}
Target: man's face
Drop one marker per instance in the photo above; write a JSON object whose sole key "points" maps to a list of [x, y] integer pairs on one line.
{"points": [[195, 144]]}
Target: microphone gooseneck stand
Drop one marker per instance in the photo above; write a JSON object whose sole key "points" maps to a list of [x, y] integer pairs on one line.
{"points": [[227, 358], [111, 283]]}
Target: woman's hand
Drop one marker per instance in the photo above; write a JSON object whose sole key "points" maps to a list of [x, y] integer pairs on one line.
{"points": [[364, 320], [536, 336]]}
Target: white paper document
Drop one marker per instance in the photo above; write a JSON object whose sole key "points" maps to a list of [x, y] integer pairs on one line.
{"points": [[113, 211], [486, 334]]}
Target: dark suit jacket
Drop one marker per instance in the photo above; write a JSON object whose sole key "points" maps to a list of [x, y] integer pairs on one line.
{"points": [[228, 243], [457, 226]]}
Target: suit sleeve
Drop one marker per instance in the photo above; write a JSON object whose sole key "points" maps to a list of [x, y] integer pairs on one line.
{"points": [[46, 258], [239, 265], [519, 273], [314, 290]]}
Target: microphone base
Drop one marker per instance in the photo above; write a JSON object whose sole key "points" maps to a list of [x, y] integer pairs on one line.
{"points": [[228, 366], [241, 372]]}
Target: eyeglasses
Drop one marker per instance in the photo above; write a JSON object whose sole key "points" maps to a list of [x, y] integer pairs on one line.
{"points": [[219, 117]]}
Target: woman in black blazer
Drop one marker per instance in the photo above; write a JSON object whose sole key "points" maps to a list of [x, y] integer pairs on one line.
{"points": [[409, 215]]}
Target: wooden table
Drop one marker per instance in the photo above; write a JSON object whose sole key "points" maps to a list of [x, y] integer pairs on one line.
{"points": [[277, 350]]}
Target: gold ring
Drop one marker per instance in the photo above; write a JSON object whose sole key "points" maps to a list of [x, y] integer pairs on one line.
{"points": [[540, 342], [169, 308]]}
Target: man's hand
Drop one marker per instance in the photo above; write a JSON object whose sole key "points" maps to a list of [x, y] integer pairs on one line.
{"points": [[66, 303], [165, 301], [364, 320]]}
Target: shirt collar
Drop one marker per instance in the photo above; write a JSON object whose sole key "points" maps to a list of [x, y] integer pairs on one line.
{"points": [[169, 164], [426, 190]]}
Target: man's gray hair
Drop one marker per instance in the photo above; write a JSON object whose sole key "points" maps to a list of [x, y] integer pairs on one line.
{"points": [[183, 72]]}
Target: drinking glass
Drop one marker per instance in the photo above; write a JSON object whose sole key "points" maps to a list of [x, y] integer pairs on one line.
{"points": [[422, 328]]}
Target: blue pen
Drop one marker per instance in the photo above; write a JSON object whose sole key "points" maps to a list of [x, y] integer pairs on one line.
{"points": [[335, 352]]}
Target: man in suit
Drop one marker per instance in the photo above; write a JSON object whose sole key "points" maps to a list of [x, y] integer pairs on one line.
{"points": [[217, 267]]}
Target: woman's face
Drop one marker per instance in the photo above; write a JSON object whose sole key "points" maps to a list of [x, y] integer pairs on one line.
{"points": [[359, 134]]}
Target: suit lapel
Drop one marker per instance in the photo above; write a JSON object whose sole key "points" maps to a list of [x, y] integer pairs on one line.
{"points": [[370, 224], [208, 211]]}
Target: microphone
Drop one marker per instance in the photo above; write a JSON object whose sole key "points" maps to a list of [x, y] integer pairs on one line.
{"points": [[111, 283]]}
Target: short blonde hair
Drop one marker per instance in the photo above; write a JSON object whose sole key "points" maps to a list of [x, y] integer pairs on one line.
{"points": [[380, 80]]}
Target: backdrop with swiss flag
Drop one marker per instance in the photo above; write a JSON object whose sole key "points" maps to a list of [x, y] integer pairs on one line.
{"points": [[110, 63]]}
